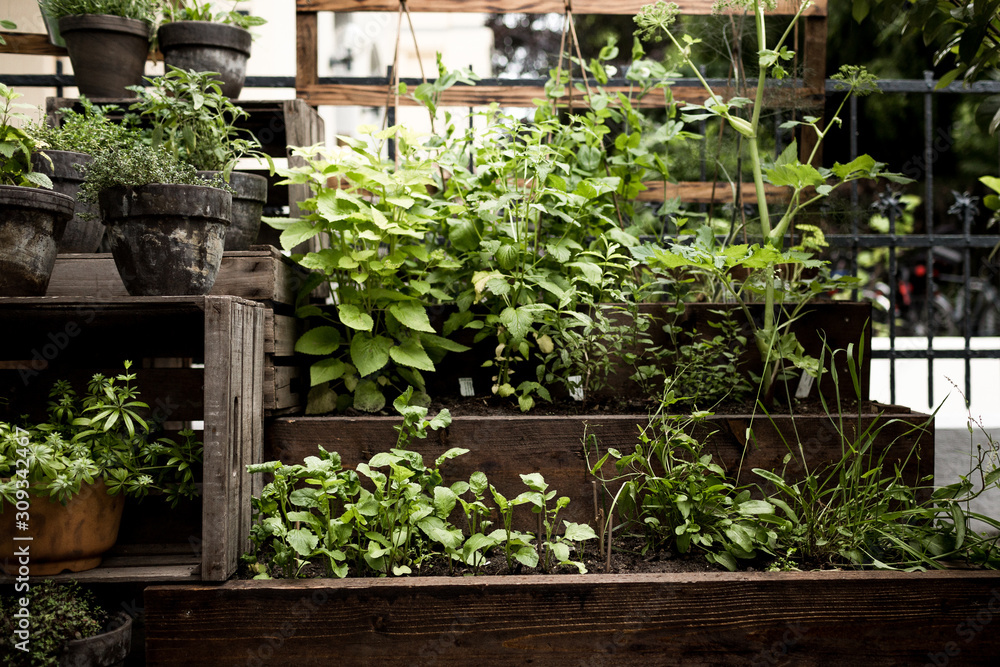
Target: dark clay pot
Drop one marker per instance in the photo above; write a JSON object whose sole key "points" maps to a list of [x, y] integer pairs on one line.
{"points": [[108, 649], [108, 52], [248, 207], [167, 240], [208, 47], [83, 234], [32, 221]]}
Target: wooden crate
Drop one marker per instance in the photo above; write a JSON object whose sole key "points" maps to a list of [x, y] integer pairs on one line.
{"points": [[51, 338], [259, 274], [506, 447], [707, 618]]}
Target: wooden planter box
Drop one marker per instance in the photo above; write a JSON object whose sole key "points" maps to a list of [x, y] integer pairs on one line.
{"points": [[504, 447], [50, 338], [260, 274], [800, 618]]}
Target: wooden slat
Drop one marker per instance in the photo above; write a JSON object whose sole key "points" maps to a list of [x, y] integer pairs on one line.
{"points": [[23, 43], [286, 330], [833, 619], [691, 7], [34, 44], [505, 447], [306, 50], [524, 96], [279, 387], [260, 274]]}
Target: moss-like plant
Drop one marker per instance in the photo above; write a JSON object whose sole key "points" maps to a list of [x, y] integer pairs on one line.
{"points": [[60, 613], [89, 131]]}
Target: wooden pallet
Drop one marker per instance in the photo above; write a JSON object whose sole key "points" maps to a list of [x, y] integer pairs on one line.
{"points": [[49, 338]]}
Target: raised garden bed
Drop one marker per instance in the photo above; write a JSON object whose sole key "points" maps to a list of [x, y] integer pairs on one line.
{"points": [[813, 618], [504, 447]]}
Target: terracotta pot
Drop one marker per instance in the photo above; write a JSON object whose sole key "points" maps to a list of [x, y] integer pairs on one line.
{"points": [[108, 52], [84, 231], [32, 222], [205, 46], [108, 649], [248, 207], [64, 537], [167, 240]]}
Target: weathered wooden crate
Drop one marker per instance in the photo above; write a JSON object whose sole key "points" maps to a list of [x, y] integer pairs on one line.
{"points": [[50, 338], [719, 618], [558, 446], [259, 274]]}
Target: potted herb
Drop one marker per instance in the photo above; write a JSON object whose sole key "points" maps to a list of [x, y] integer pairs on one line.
{"points": [[69, 148], [32, 217], [107, 40], [68, 627], [165, 225], [64, 480], [194, 36], [196, 123]]}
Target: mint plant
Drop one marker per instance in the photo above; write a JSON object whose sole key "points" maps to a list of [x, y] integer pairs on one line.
{"points": [[198, 10], [17, 145]]}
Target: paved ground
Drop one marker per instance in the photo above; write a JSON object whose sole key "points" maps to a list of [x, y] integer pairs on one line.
{"points": [[952, 453]]}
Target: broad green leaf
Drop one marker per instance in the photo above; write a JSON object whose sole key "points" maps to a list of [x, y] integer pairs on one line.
{"points": [[352, 317], [411, 314], [302, 540], [369, 353], [297, 233], [755, 507], [863, 164], [578, 532], [517, 320], [319, 341], [411, 353], [326, 371], [368, 397]]}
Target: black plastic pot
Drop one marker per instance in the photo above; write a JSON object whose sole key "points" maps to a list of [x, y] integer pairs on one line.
{"points": [[108, 649], [248, 207], [108, 52], [32, 221], [167, 240], [84, 232], [204, 46]]}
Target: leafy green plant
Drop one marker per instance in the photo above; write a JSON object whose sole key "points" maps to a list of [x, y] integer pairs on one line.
{"points": [[806, 184], [60, 613], [378, 219], [146, 10], [517, 546], [196, 10], [678, 499], [99, 436], [554, 549], [193, 121], [88, 131], [132, 163], [17, 145]]}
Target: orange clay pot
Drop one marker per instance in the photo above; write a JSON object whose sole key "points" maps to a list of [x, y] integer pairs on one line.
{"points": [[64, 537]]}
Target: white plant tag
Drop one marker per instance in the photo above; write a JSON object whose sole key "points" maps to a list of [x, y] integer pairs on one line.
{"points": [[465, 387], [805, 385], [576, 393]]}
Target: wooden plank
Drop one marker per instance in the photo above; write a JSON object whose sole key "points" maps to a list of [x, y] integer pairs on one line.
{"points": [[689, 7], [505, 447], [30, 44], [649, 620], [524, 96], [217, 497], [306, 49], [286, 331], [814, 63], [170, 573], [251, 485], [263, 274], [280, 382]]}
